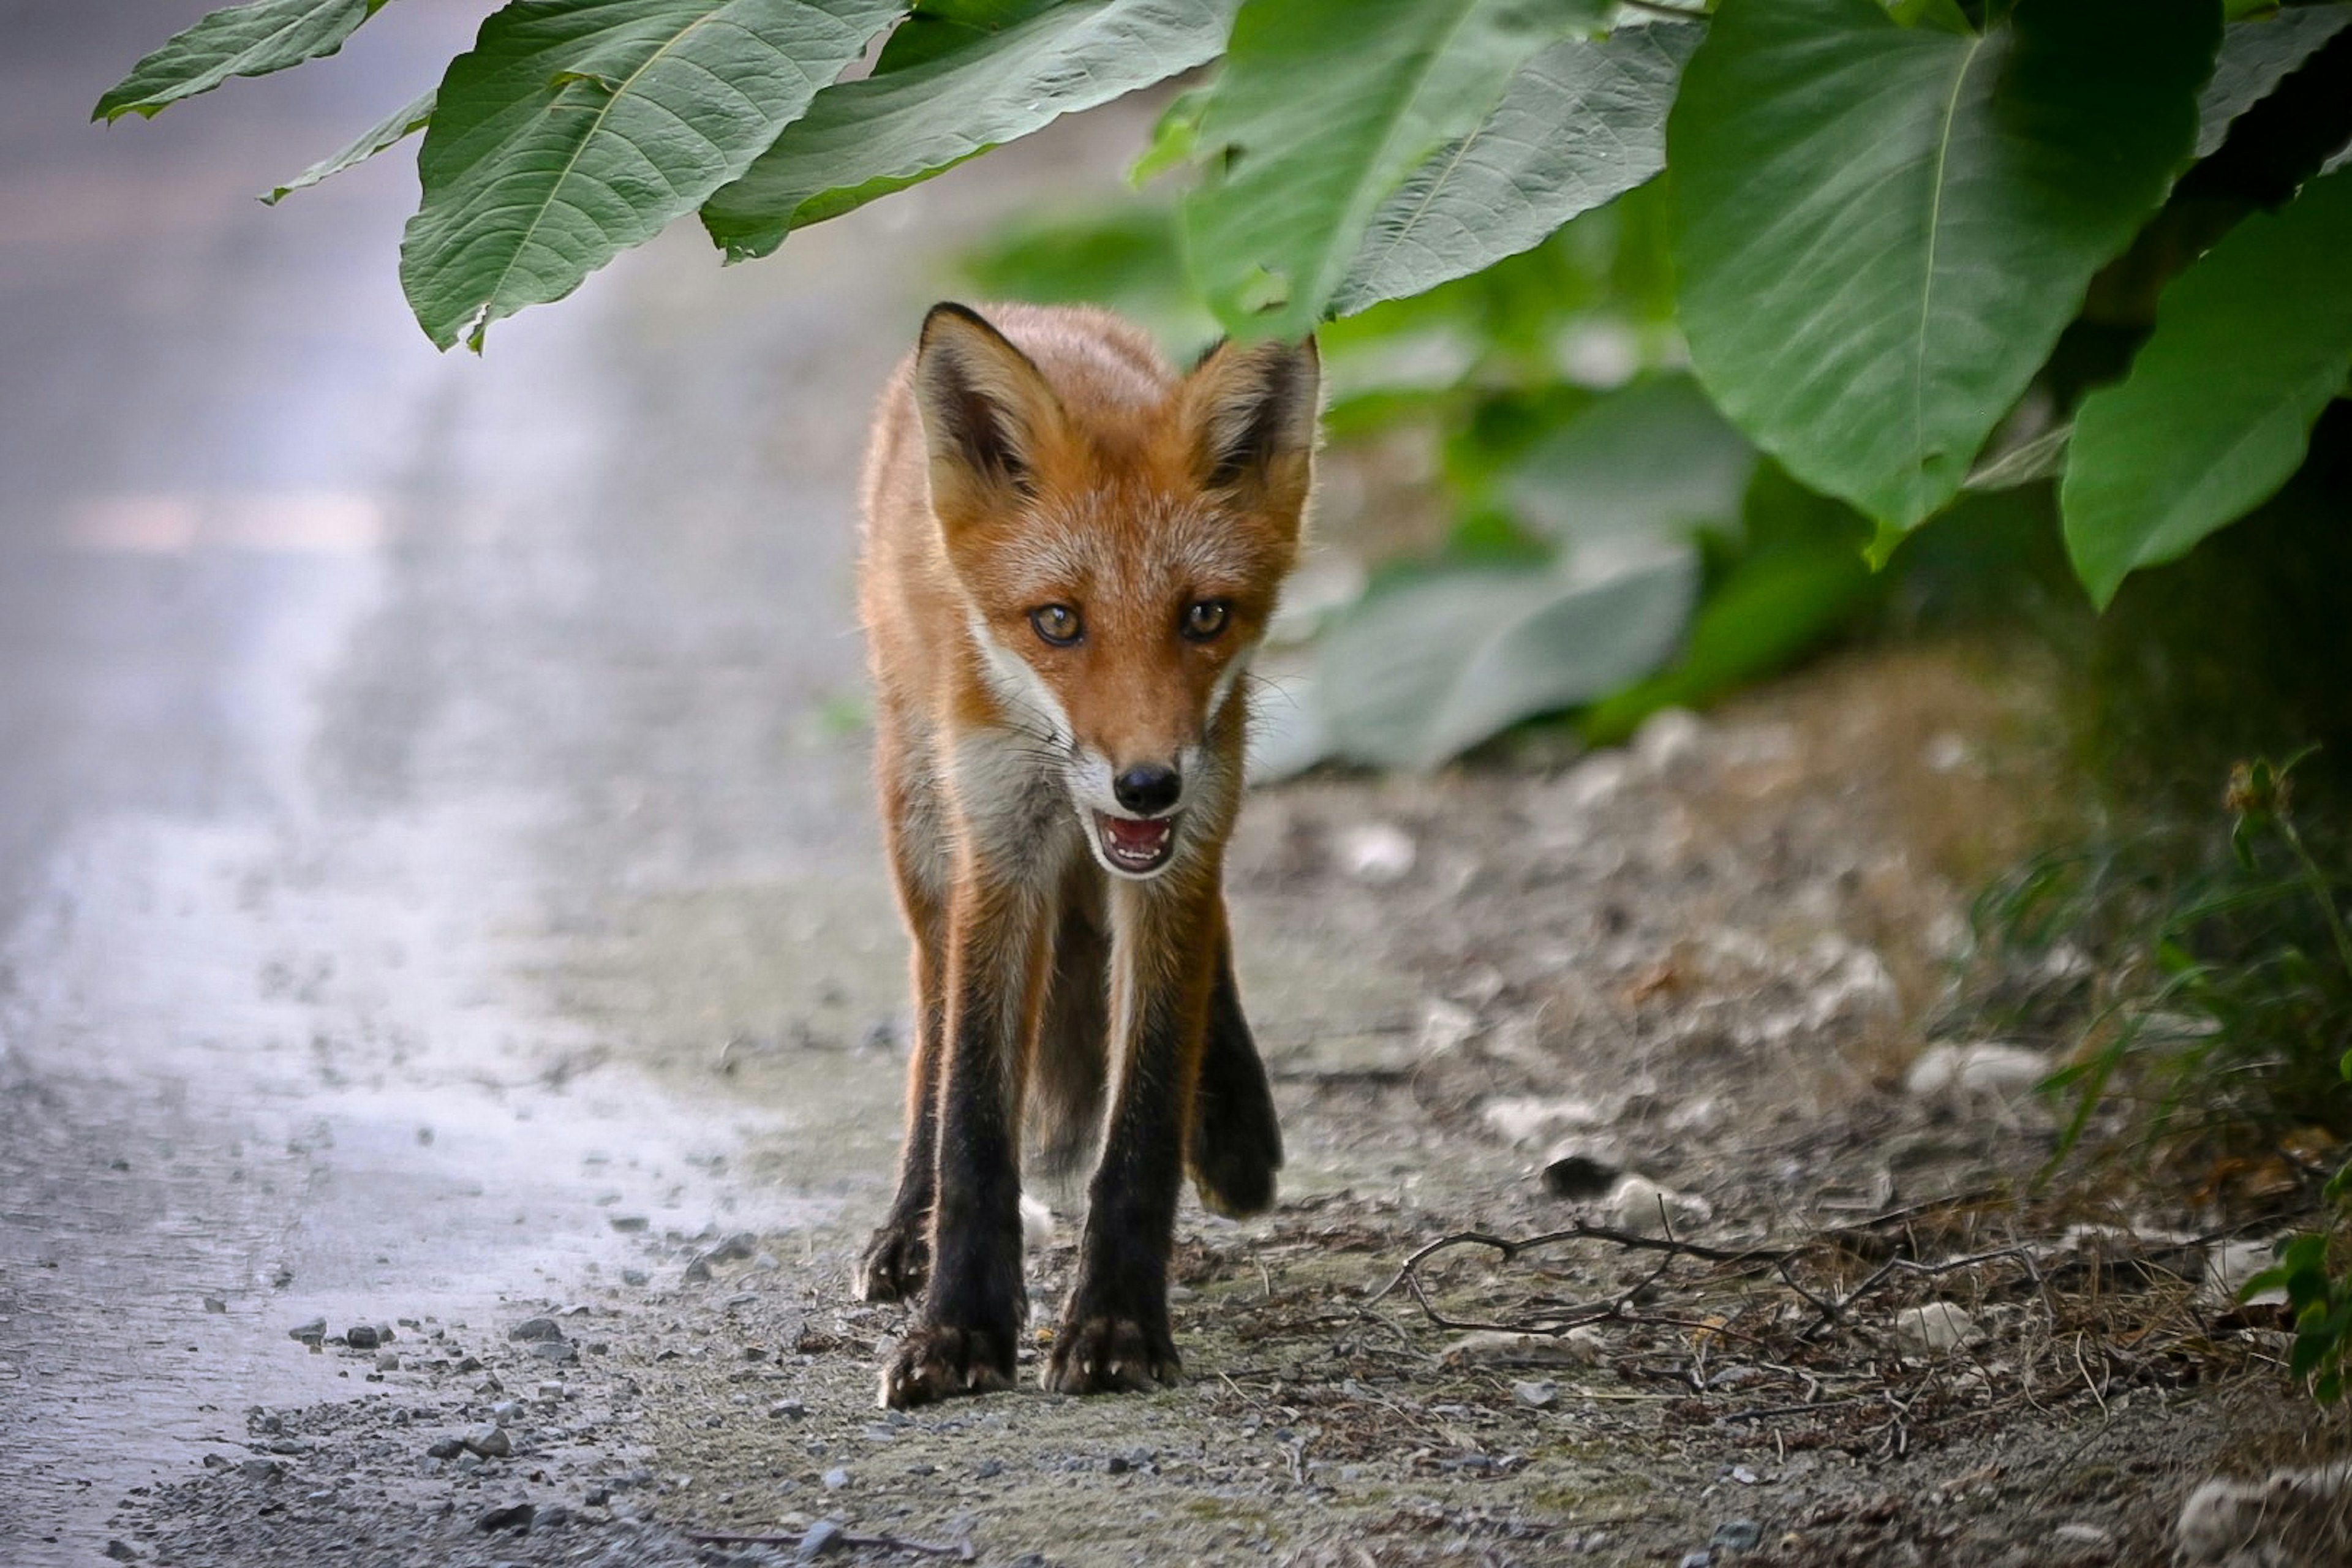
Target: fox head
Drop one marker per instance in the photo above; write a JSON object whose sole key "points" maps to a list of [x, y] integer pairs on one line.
{"points": [[1119, 541]]}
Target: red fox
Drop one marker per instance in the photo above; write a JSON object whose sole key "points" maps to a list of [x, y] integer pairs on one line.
{"points": [[1070, 553]]}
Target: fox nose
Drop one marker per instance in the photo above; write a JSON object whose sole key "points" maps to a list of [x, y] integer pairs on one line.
{"points": [[1148, 788]]}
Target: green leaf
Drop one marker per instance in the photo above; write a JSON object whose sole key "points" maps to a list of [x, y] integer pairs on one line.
{"points": [[1322, 111], [243, 40], [2255, 58], [865, 139], [1173, 138], [537, 171], [1653, 460], [401, 122], [2250, 343], [1433, 665], [1881, 231], [2042, 458], [939, 27], [1581, 124]]}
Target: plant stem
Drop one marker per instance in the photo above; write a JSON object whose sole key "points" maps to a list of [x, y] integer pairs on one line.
{"points": [[2320, 890]]}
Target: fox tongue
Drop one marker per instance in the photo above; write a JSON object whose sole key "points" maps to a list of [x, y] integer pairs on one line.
{"points": [[1137, 837]]}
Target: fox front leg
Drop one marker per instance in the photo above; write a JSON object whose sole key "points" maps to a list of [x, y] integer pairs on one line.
{"points": [[965, 1333], [1114, 1331]]}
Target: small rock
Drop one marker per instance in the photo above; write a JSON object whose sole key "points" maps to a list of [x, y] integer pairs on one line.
{"points": [[262, 1469], [1668, 738], [219, 1462], [823, 1536], [516, 1516], [628, 1223], [1744, 1476], [446, 1448], [1581, 1170], [988, 1469], [836, 1480], [122, 1551], [635, 1276], [557, 1351], [1377, 853], [2079, 1534], [2291, 1516], [1702, 1558], [1737, 1535], [215, 1303], [361, 1337], [766, 1262], [787, 1410], [1116, 1465], [696, 1271], [1536, 1395], [506, 1410], [735, 1248], [536, 1329], [1986, 1071], [554, 1516], [387, 1361], [308, 1333], [489, 1440], [1639, 1204], [1938, 1327]]}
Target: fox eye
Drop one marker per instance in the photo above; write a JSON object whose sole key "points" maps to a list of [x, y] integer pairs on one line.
{"points": [[1057, 623], [1205, 618]]}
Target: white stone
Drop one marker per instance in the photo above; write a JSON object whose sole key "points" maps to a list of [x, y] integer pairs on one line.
{"points": [[1668, 738], [1936, 1327], [2292, 1518], [1641, 1206], [1989, 1068], [1377, 853], [2228, 1267]]}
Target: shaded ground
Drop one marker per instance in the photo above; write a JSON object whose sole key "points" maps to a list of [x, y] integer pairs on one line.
{"points": [[439, 892]]}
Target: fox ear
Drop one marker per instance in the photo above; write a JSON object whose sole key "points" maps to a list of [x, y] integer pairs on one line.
{"points": [[985, 407], [1253, 409]]}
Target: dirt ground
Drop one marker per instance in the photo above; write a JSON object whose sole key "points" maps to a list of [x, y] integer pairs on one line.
{"points": [[1705, 960]]}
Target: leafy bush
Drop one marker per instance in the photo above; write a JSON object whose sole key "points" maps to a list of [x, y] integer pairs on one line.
{"points": [[1891, 226]]}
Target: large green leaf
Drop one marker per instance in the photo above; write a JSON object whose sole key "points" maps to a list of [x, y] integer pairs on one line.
{"points": [[2250, 344], [401, 123], [2255, 58], [1431, 666], [1581, 124], [1653, 460], [1323, 110], [1881, 230], [575, 129], [937, 27], [865, 139], [243, 40]]}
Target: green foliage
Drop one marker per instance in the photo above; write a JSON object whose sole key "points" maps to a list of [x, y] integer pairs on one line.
{"points": [[1886, 220], [1881, 230], [2250, 344], [402, 122], [570, 132], [243, 40], [865, 139]]}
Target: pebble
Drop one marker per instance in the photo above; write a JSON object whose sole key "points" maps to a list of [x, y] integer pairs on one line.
{"points": [[988, 1469], [388, 1360], [561, 1351], [1938, 1326], [823, 1536], [1639, 1204], [735, 1248], [2079, 1534], [1377, 853], [215, 1303], [1535, 1394], [363, 1336], [506, 1410], [787, 1410], [635, 1277], [122, 1551], [1737, 1535], [696, 1271], [262, 1469], [308, 1333], [1991, 1069], [836, 1479], [491, 1440], [515, 1516], [628, 1223], [536, 1329], [446, 1448]]}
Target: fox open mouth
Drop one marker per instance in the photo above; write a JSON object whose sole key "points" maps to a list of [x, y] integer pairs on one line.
{"points": [[1135, 847]]}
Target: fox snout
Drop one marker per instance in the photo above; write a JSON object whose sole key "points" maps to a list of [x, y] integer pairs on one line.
{"points": [[1148, 789]]}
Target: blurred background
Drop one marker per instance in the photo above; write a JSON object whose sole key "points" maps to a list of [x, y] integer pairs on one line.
{"points": [[436, 855]]}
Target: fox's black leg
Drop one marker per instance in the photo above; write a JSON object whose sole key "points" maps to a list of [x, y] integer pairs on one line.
{"points": [[1236, 1140]]}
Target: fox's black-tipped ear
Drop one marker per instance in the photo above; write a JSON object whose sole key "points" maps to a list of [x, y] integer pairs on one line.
{"points": [[985, 407], [1253, 407]]}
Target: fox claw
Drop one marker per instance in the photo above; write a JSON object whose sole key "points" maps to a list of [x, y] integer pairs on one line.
{"points": [[935, 1362], [894, 1265], [1111, 1355]]}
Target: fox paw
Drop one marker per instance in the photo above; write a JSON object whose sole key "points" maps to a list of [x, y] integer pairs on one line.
{"points": [[896, 1263], [1111, 1356], [935, 1362]]}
